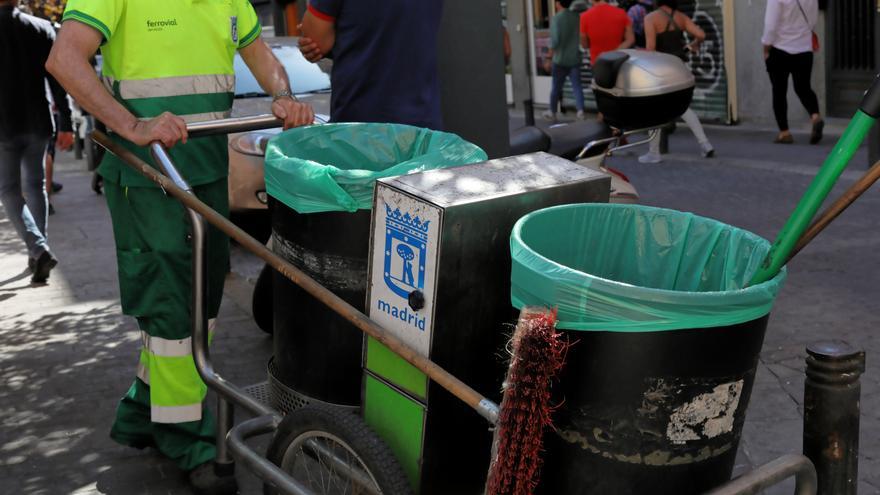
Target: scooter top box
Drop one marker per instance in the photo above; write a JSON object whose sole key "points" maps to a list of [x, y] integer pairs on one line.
{"points": [[636, 89]]}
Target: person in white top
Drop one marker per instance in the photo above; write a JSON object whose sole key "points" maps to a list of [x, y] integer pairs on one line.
{"points": [[788, 50]]}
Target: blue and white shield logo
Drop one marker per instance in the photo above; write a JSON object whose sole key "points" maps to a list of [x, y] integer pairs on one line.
{"points": [[406, 240]]}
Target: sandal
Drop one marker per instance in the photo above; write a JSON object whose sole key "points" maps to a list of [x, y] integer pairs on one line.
{"points": [[784, 139], [816, 133]]}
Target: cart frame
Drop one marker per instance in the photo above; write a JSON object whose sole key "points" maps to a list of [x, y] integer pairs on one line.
{"points": [[232, 440]]}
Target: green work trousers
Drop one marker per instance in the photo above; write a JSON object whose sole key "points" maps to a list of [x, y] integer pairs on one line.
{"points": [[164, 408]]}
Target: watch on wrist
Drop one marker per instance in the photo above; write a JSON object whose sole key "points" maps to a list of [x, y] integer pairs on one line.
{"points": [[284, 93]]}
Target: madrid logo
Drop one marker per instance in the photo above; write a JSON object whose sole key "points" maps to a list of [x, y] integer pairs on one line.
{"points": [[406, 240]]}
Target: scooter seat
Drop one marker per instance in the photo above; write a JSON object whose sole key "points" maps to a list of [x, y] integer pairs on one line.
{"points": [[528, 139], [569, 139]]}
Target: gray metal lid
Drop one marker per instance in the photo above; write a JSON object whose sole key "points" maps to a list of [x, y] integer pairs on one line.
{"points": [[649, 74]]}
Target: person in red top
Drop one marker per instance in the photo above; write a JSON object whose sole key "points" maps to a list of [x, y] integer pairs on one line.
{"points": [[605, 28]]}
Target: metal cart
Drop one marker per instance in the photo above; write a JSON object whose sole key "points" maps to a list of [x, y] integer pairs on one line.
{"points": [[231, 440]]}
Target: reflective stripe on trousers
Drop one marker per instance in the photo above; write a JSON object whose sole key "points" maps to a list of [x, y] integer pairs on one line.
{"points": [[176, 391]]}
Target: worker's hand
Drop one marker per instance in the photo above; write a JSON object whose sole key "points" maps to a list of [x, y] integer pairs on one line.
{"points": [[64, 141], [166, 128], [309, 49], [293, 113]]}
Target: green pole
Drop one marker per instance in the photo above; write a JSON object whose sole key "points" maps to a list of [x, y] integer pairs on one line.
{"points": [[814, 197]]}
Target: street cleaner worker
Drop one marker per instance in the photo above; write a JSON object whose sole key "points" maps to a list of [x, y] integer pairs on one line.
{"points": [[166, 63]]}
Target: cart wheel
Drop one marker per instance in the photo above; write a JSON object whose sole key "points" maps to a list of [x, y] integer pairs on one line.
{"points": [[332, 451], [261, 303]]}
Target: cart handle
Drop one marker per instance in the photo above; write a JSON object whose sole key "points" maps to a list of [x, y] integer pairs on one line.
{"points": [[233, 125], [182, 192]]}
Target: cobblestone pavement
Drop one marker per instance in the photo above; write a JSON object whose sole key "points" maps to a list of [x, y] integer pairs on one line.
{"points": [[67, 354]]}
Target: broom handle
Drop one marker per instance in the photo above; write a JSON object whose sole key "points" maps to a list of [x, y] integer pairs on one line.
{"points": [[838, 207], [456, 387], [820, 187]]}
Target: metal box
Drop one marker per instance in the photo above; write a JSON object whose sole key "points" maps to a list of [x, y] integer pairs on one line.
{"points": [[440, 280]]}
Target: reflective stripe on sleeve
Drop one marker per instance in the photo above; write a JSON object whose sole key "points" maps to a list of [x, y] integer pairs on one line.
{"points": [[176, 414], [177, 86]]}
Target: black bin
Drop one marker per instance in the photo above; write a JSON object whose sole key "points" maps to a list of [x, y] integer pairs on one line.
{"points": [[317, 352], [664, 343], [320, 182]]}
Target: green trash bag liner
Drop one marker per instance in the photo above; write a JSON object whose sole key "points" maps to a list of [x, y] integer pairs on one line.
{"points": [[333, 167], [631, 268]]}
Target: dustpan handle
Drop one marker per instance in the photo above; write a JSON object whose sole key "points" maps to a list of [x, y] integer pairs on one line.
{"points": [[825, 179]]}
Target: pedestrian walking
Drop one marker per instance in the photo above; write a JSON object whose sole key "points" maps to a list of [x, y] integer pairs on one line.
{"points": [[25, 130], [167, 63], [664, 32], [566, 58], [605, 27], [384, 58], [789, 42], [637, 13]]}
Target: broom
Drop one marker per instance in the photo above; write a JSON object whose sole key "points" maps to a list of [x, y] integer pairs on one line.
{"points": [[537, 356]]}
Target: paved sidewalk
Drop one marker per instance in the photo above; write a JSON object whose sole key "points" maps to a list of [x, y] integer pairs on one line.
{"points": [[67, 354]]}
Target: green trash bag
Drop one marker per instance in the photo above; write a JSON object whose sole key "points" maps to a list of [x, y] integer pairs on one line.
{"points": [[333, 167], [630, 268]]}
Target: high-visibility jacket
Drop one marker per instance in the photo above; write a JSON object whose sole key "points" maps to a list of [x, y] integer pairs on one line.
{"points": [[174, 56]]}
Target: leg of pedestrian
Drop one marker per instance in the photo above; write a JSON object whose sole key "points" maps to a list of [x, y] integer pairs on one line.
{"points": [[558, 80], [653, 154], [34, 184], [777, 69], [12, 154], [578, 90], [802, 68], [693, 122]]}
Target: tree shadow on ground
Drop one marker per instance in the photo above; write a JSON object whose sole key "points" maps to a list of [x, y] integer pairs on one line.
{"points": [[63, 373]]}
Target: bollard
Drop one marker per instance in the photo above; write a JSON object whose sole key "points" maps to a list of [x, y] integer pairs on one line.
{"points": [[831, 415]]}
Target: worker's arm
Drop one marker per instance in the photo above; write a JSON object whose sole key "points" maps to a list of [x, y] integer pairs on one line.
{"points": [[318, 34], [273, 79], [69, 63], [629, 38]]}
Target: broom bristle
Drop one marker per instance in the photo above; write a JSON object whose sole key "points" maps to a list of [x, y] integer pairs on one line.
{"points": [[537, 355]]}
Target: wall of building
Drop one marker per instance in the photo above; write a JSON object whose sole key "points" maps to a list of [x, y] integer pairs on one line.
{"points": [[753, 86]]}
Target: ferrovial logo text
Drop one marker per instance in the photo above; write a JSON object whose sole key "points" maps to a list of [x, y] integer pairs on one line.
{"points": [[161, 24]]}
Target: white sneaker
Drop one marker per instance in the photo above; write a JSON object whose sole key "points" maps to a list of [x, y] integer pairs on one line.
{"points": [[548, 115], [580, 115], [650, 158], [707, 150]]}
